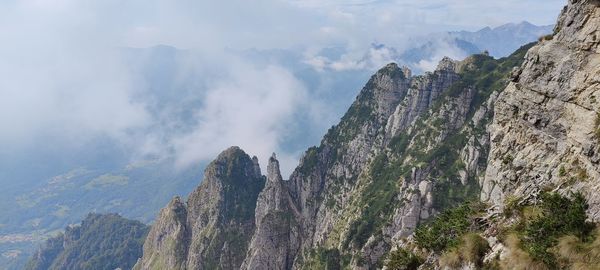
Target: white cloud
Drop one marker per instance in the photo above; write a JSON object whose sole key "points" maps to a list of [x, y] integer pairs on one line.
{"points": [[251, 108]]}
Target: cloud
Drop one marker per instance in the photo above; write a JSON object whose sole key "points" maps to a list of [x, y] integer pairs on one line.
{"points": [[64, 80], [441, 47], [55, 80], [251, 108]]}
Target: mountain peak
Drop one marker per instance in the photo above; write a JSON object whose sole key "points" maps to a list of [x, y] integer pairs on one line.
{"points": [[447, 64], [273, 172]]}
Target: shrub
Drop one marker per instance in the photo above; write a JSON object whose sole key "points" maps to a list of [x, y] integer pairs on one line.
{"points": [[562, 172], [512, 206], [402, 259], [445, 230], [558, 216], [508, 159], [546, 37]]}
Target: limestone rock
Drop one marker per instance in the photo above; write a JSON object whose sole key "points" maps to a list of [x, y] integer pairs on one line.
{"points": [[545, 119], [214, 228]]}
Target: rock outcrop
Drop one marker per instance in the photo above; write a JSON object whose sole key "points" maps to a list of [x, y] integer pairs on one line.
{"points": [[545, 131], [277, 235], [213, 229]]}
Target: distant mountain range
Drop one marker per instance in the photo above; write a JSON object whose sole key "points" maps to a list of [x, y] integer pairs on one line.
{"points": [[498, 42], [503, 40]]}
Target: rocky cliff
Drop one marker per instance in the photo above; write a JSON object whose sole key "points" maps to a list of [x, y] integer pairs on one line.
{"points": [[213, 228], [388, 186], [545, 133]]}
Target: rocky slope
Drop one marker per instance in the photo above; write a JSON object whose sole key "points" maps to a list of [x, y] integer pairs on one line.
{"points": [[504, 132], [100, 242], [547, 119]]}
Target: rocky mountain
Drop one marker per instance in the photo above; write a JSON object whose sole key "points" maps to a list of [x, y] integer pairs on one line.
{"points": [[482, 164], [408, 148], [214, 227], [101, 242]]}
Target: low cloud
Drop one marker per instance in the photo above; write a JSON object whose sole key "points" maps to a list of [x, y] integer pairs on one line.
{"points": [[252, 108]]}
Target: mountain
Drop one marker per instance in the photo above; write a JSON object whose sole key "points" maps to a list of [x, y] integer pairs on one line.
{"points": [[499, 42], [367, 184], [217, 222], [502, 40], [101, 242], [353, 194], [483, 163]]}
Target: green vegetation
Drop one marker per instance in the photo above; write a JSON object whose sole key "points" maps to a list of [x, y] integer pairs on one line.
{"points": [[233, 230], [326, 259], [507, 159], [310, 160], [377, 200], [440, 159], [399, 143], [512, 206], [562, 171], [446, 230], [402, 259], [240, 191], [551, 233], [107, 180], [100, 242], [557, 216]]}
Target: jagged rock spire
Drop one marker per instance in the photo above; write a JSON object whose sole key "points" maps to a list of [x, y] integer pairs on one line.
{"points": [[257, 171], [273, 172]]}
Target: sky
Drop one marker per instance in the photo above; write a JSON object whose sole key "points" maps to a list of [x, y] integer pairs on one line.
{"points": [[65, 84]]}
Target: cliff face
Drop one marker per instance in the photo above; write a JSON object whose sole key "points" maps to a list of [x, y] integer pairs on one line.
{"points": [[545, 132], [409, 148], [213, 229]]}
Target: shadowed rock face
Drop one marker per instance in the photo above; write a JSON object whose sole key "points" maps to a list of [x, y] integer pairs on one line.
{"points": [[408, 147], [214, 227]]}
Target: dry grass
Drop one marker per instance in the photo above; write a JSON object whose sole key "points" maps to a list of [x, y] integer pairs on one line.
{"points": [[575, 254], [518, 259], [471, 250], [450, 260]]}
